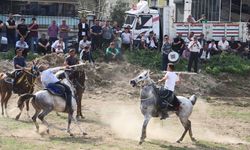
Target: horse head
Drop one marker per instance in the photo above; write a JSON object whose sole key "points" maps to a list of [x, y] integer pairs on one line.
{"points": [[144, 76], [34, 69]]}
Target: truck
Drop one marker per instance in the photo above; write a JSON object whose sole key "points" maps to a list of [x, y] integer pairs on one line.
{"points": [[143, 19]]}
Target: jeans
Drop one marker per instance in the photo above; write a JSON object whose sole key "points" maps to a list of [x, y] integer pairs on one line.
{"points": [[33, 44], [11, 40], [164, 62]]}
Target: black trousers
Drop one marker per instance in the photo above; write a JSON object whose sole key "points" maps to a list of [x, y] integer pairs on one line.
{"points": [[165, 62], [194, 56], [68, 96]]}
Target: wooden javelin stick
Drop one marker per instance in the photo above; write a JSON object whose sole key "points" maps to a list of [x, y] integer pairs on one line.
{"points": [[182, 72]]}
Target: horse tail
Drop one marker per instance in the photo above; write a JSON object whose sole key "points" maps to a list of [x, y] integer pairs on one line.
{"points": [[193, 99], [23, 98]]}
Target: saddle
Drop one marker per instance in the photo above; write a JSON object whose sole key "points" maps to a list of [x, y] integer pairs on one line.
{"points": [[56, 89]]}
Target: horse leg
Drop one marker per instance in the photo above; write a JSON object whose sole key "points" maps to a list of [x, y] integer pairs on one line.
{"points": [[77, 123], [42, 115], [186, 124], [144, 129], [190, 132], [38, 110], [79, 106], [6, 102], [2, 101], [70, 116], [27, 108]]}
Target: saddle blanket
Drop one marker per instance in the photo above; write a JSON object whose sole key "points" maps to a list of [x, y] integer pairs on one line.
{"points": [[56, 89]]}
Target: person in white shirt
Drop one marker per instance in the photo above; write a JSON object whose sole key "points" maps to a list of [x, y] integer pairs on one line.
{"points": [[83, 43], [212, 49], [21, 44], [49, 79], [58, 46], [152, 41], [223, 44], [126, 39], [194, 47], [170, 78]]}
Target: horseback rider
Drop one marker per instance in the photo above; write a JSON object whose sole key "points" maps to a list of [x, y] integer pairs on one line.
{"points": [[170, 79], [49, 79], [19, 66]]}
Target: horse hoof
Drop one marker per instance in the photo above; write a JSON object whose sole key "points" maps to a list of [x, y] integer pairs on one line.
{"points": [[71, 134], [17, 118], [84, 133], [193, 140], [48, 131], [140, 142], [179, 141]]}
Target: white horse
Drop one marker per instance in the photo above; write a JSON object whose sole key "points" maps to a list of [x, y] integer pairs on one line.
{"points": [[150, 101], [44, 102]]}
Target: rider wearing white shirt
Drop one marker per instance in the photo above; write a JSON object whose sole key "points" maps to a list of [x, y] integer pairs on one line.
{"points": [[170, 79], [49, 79]]}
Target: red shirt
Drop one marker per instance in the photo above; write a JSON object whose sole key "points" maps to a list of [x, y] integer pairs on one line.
{"points": [[33, 27]]}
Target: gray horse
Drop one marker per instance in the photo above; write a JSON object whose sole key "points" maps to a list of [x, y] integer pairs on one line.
{"points": [[44, 102], [150, 100]]}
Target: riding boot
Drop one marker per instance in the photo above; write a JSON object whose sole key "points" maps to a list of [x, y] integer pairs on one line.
{"points": [[164, 113]]}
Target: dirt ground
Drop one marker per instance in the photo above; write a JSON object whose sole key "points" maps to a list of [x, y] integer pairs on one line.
{"points": [[113, 119]]}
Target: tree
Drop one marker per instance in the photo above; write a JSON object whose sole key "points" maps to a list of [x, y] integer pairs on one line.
{"points": [[118, 12]]}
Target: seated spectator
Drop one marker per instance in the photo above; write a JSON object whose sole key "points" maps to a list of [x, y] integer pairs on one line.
{"points": [[140, 42], [204, 54], [22, 45], [178, 44], [212, 49], [85, 54], [202, 19], [234, 46], [83, 43], [112, 53], [43, 45], [152, 41], [58, 46], [223, 45], [191, 19]]}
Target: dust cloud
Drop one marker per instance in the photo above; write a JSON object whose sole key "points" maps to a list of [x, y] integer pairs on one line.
{"points": [[126, 122]]}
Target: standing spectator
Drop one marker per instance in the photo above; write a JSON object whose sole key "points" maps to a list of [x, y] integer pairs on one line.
{"points": [[33, 35], [234, 46], [58, 46], [53, 32], [43, 45], [223, 45], [202, 19], [203, 43], [22, 45], [107, 33], [83, 29], [165, 50], [64, 33], [112, 53], [178, 44], [96, 32], [11, 31], [118, 41], [191, 19], [194, 47], [116, 27], [22, 29], [1, 28], [152, 41], [212, 49], [126, 39]]}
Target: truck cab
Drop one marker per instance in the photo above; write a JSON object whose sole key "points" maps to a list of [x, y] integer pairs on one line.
{"points": [[142, 19]]}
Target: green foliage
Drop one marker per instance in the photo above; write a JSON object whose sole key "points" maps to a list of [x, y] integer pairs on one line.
{"points": [[228, 63], [118, 12], [151, 60], [11, 54]]}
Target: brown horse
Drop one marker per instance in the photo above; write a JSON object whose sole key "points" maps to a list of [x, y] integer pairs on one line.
{"points": [[24, 84], [77, 77]]}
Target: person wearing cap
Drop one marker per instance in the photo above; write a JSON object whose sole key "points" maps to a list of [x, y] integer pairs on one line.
{"points": [[170, 78], [33, 35], [22, 45], [64, 33], [22, 29], [49, 79], [71, 59], [112, 53], [194, 47]]}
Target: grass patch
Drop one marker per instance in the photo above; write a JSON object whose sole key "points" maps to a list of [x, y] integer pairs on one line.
{"points": [[240, 115], [11, 54], [205, 145], [11, 124]]}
